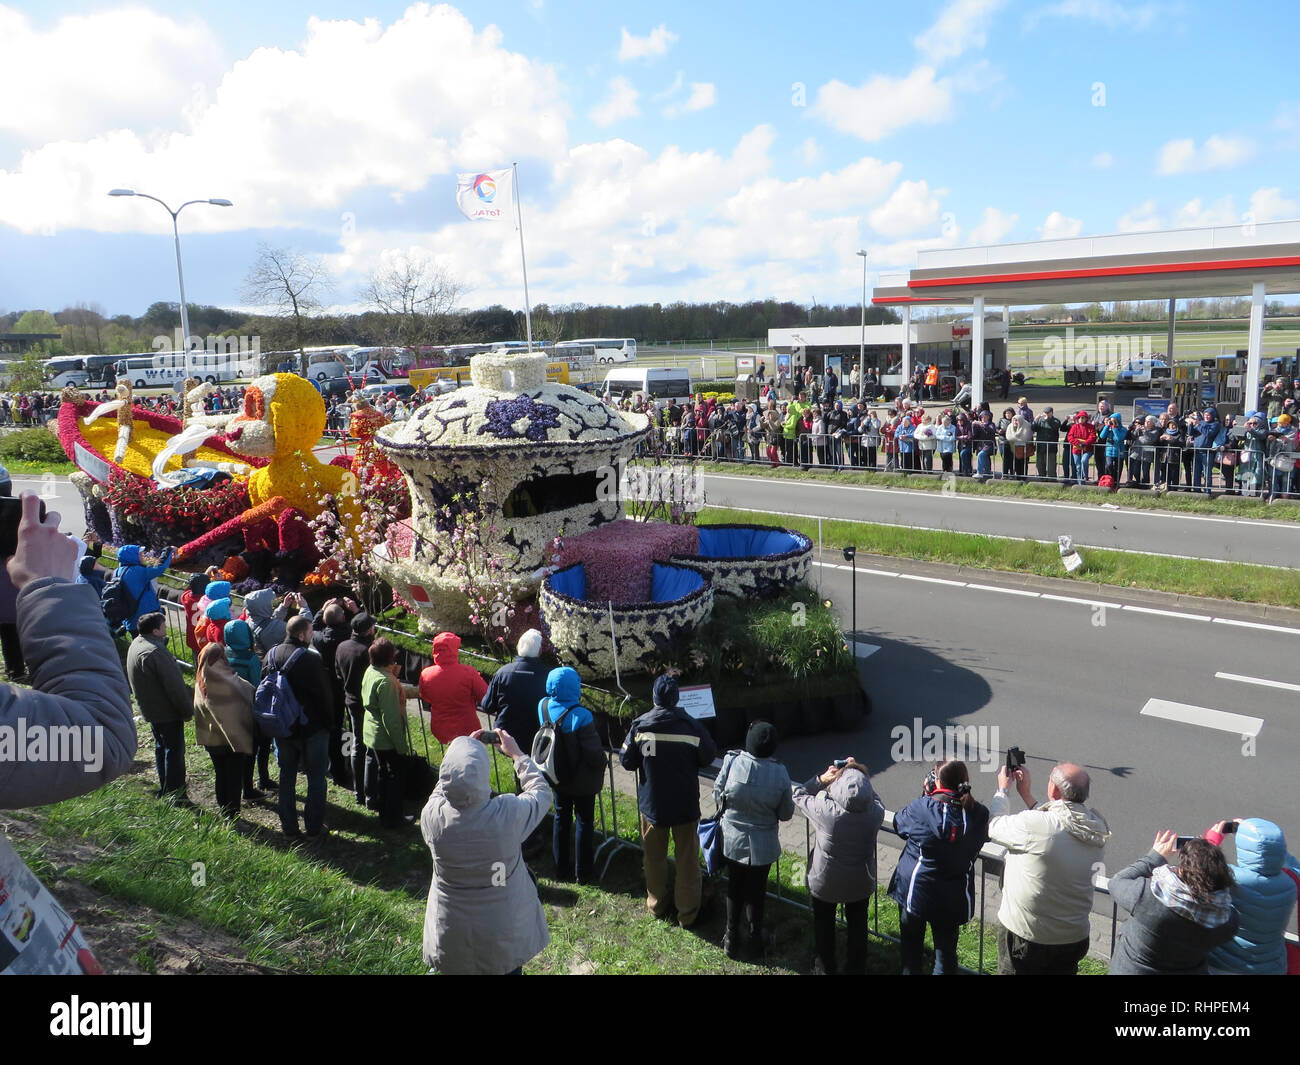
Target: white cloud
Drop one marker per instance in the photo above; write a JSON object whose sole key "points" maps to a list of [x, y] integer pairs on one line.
{"points": [[810, 151], [1269, 205], [1109, 13], [285, 133], [660, 39], [1141, 219], [110, 69], [672, 89], [702, 97], [992, 227], [1193, 213], [621, 103], [910, 208], [1057, 226], [883, 104], [1217, 153], [961, 25], [1102, 161]]}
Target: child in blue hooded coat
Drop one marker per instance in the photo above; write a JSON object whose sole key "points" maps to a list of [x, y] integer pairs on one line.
{"points": [[245, 663], [580, 765]]}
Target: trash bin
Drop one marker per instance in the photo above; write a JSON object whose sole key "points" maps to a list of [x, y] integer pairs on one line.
{"points": [[747, 387]]}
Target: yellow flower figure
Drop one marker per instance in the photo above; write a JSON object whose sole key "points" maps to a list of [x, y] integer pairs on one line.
{"points": [[283, 419]]}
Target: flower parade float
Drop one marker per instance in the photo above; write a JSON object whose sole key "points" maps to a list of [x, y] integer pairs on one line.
{"points": [[517, 513], [268, 483]]}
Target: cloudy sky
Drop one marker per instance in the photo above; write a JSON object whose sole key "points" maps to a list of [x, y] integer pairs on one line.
{"points": [[674, 151]]}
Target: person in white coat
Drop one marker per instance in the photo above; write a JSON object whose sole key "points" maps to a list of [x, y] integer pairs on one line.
{"points": [[483, 916]]}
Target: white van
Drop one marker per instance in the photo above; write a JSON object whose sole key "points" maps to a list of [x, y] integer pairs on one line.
{"points": [[659, 383]]}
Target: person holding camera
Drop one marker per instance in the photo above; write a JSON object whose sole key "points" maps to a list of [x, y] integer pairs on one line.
{"points": [[934, 881], [1265, 885], [847, 814], [77, 683], [1179, 912], [483, 916], [1047, 890]]}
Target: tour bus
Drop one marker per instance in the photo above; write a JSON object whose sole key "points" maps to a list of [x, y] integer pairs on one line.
{"points": [[658, 383], [385, 362], [324, 364], [80, 370], [168, 368], [608, 350]]}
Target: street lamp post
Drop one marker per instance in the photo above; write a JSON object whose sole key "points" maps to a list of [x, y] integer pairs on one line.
{"points": [[180, 273], [862, 342]]}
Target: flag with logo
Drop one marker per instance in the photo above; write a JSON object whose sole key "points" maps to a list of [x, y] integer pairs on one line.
{"points": [[485, 196]]}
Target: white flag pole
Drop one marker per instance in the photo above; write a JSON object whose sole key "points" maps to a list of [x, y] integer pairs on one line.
{"points": [[519, 218]]}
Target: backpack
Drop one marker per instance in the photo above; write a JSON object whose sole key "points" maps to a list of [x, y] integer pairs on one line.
{"points": [[552, 749], [117, 602], [276, 708], [1107, 482]]}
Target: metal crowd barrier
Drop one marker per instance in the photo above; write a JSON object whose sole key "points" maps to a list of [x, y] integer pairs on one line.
{"points": [[1241, 472]]}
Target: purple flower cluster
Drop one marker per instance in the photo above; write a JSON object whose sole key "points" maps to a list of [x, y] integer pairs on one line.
{"points": [[618, 556], [501, 415]]}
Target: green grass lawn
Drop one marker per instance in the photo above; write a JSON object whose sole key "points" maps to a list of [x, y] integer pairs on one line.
{"points": [[354, 902]]}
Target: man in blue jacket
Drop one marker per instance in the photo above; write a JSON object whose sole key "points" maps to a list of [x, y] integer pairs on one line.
{"points": [[137, 581], [667, 748]]}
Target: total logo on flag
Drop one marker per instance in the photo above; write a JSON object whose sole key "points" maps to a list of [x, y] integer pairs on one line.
{"points": [[484, 196]]}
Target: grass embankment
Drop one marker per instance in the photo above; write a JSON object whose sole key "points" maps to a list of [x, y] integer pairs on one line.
{"points": [[1183, 502], [353, 902], [1214, 580]]}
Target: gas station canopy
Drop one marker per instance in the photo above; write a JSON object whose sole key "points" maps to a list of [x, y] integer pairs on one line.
{"points": [[1176, 264]]}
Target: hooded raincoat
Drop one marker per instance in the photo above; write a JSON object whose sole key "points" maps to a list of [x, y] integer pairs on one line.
{"points": [[452, 689], [483, 915], [1265, 898]]}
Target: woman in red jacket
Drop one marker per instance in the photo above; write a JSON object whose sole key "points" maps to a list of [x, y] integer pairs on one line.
{"points": [[452, 690], [1082, 437]]}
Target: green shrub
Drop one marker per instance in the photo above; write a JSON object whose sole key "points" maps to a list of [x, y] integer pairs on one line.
{"points": [[32, 445]]}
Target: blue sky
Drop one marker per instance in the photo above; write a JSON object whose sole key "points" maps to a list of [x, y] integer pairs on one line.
{"points": [[695, 152]]}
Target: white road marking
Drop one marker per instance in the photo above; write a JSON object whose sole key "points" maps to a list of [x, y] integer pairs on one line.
{"points": [[977, 498], [1187, 714], [1259, 680], [1063, 598], [1082, 602], [1167, 613], [996, 536], [1258, 625]]}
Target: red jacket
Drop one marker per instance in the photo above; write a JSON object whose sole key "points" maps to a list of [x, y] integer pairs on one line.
{"points": [[1082, 436], [452, 690], [192, 613]]}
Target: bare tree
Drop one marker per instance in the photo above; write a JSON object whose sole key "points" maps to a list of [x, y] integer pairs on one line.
{"points": [[413, 292], [291, 281]]}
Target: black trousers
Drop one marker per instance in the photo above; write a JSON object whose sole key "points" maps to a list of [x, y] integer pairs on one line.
{"points": [[228, 768], [855, 916], [358, 715], [392, 786], [747, 887]]}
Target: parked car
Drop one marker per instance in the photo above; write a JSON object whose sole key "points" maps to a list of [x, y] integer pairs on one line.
{"points": [[404, 390], [1137, 373]]}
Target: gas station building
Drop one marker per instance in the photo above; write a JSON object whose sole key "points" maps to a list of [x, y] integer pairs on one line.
{"points": [[1242, 260]]}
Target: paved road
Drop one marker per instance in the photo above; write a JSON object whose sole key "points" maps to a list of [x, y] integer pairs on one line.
{"points": [[1062, 678], [1155, 532]]}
